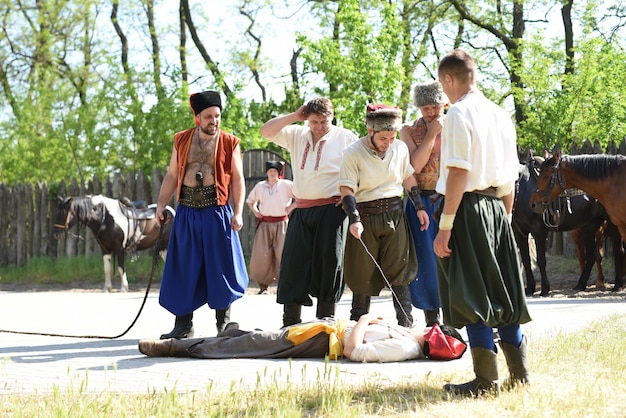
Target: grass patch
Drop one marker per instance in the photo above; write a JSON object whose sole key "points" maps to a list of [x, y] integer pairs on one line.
{"points": [[83, 270], [579, 374]]}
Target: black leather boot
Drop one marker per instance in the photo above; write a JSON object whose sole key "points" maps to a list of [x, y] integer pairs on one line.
{"points": [[517, 362], [222, 317], [432, 317], [360, 306], [486, 381], [403, 305], [325, 310], [292, 313], [183, 328]]}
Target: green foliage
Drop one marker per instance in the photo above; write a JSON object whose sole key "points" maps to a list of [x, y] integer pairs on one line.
{"points": [[569, 109], [360, 62], [71, 110], [65, 271]]}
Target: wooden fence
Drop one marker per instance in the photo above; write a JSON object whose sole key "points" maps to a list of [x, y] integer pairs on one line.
{"points": [[28, 212]]}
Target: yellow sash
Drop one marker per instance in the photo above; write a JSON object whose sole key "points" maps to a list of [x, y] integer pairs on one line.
{"points": [[300, 333]]}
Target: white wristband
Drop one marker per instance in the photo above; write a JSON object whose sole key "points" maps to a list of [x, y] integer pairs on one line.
{"points": [[446, 221]]}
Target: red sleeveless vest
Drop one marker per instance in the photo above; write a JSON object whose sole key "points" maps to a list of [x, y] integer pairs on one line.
{"points": [[223, 165]]}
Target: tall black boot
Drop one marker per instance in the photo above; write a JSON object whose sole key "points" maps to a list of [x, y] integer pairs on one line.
{"points": [[432, 317], [292, 314], [517, 362], [222, 317], [183, 328], [325, 310], [403, 305], [486, 381], [360, 306]]}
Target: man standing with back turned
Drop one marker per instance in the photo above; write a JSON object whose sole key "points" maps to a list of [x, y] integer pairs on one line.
{"points": [[205, 263], [312, 262], [480, 281]]}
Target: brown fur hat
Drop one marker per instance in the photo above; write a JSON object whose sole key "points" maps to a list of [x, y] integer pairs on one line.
{"points": [[429, 94], [380, 117]]}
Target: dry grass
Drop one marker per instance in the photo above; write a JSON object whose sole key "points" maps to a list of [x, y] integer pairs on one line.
{"points": [[578, 375]]}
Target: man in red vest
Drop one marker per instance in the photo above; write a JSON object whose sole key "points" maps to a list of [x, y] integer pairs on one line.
{"points": [[205, 263]]}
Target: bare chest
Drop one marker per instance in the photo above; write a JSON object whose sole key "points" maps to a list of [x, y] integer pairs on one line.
{"points": [[201, 158]]}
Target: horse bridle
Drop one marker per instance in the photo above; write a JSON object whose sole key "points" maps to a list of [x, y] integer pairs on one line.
{"points": [[554, 210], [65, 226]]}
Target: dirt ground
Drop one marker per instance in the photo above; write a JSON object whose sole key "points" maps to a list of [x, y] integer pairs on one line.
{"points": [[562, 272]]}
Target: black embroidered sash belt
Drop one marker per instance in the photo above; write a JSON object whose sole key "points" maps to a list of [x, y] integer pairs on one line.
{"points": [[198, 197]]}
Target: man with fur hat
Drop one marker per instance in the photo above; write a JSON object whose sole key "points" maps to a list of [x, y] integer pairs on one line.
{"points": [[270, 201], [312, 263], [423, 137], [375, 171], [205, 263]]}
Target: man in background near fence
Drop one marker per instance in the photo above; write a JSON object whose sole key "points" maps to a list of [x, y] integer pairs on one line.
{"points": [[380, 251], [423, 137], [205, 262], [312, 263], [270, 201], [480, 281]]}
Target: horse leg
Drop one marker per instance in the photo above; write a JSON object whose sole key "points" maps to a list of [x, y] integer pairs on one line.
{"points": [[591, 254], [122, 269], [106, 259], [524, 252], [618, 253], [600, 283], [540, 247]]}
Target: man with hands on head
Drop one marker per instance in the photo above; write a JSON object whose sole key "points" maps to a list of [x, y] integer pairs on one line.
{"points": [[312, 261], [423, 137]]}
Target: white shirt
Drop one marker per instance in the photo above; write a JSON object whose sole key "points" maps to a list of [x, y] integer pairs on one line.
{"points": [[315, 168], [479, 136], [273, 200], [385, 343], [371, 177]]}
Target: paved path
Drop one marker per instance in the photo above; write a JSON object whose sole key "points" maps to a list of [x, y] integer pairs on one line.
{"points": [[30, 363]]}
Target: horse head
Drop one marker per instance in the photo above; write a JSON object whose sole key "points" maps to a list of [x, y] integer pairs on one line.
{"points": [[550, 182], [65, 218]]}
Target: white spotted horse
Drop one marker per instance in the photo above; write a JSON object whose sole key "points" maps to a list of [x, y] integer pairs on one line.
{"points": [[118, 225]]}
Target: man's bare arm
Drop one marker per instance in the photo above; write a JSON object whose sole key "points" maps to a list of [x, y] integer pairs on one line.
{"points": [[168, 186], [273, 126]]}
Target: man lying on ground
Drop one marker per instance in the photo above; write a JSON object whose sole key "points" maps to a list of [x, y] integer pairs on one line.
{"points": [[369, 340]]}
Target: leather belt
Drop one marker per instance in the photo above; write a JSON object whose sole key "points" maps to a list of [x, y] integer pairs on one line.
{"points": [[198, 197], [490, 191], [378, 206]]}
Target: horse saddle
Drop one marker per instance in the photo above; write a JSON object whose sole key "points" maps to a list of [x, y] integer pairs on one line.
{"points": [[137, 209]]}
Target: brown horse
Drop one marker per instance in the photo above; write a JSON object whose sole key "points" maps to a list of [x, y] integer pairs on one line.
{"points": [[117, 227], [576, 212], [601, 176]]}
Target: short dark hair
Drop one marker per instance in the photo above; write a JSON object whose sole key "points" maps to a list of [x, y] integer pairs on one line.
{"points": [[320, 106], [451, 331], [459, 64]]}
